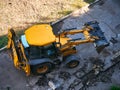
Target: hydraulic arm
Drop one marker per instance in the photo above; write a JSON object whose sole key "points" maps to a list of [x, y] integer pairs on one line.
{"points": [[92, 33]]}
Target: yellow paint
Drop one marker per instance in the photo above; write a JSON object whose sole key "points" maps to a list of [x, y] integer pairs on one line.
{"points": [[26, 67], [40, 35], [9, 39], [63, 41], [69, 52]]}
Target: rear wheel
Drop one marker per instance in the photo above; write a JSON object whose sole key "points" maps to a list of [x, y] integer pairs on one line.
{"points": [[42, 68]]}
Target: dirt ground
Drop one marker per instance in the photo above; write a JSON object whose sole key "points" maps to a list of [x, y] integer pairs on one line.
{"points": [[19, 14], [108, 16]]}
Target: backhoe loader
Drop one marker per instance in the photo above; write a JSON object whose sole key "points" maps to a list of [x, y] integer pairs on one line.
{"points": [[38, 51]]}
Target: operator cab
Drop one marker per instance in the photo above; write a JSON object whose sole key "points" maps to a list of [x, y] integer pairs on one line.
{"points": [[38, 52], [39, 42]]}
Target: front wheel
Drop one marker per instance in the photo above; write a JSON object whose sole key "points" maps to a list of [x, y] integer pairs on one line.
{"points": [[73, 64], [72, 61]]}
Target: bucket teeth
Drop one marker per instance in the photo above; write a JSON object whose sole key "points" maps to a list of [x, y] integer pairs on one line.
{"points": [[100, 43]]}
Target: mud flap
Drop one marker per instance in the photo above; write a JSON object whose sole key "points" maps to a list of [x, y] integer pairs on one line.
{"points": [[100, 43]]}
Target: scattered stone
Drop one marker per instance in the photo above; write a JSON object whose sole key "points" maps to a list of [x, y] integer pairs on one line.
{"points": [[64, 75], [42, 81], [55, 85], [113, 40], [79, 73], [105, 78]]}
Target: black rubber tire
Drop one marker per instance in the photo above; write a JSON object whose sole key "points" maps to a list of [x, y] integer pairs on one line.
{"points": [[71, 61], [72, 64], [35, 67]]}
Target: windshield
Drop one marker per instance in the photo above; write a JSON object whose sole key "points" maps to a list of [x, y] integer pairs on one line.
{"points": [[36, 52]]}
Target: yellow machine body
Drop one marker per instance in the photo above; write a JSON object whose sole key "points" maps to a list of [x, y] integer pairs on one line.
{"points": [[50, 47], [40, 35], [14, 53]]}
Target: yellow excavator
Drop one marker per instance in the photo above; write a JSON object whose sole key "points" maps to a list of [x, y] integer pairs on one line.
{"points": [[38, 50]]}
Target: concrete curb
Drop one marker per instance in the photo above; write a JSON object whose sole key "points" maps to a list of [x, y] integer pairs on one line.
{"points": [[61, 19], [65, 17], [3, 48], [95, 2]]}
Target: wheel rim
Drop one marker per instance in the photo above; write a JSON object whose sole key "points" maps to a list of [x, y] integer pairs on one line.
{"points": [[73, 64], [42, 69]]}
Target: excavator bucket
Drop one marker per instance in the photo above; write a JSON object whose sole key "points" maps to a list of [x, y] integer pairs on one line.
{"points": [[100, 43]]}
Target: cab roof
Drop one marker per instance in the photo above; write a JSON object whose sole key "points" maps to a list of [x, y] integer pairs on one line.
{"points": [[40, 35]]}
